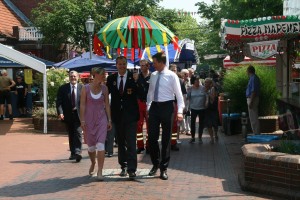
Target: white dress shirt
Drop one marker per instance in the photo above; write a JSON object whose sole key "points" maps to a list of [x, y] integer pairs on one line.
{"points": [[168, 86], [124, 80]]}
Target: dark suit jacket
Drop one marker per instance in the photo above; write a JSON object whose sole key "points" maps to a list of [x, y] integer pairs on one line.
{"points": [[64, 101], [124, 106]]}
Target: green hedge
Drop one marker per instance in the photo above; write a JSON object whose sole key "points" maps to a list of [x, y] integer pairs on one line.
{"points": [[235, 84]]}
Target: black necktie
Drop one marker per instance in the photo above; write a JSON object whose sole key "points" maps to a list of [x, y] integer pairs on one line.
{"points": [[121, 85], [73, 97]]}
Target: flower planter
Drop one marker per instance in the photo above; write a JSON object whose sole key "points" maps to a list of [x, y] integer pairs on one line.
{"points": [[53, 125], [268, 124], [269, 172]]}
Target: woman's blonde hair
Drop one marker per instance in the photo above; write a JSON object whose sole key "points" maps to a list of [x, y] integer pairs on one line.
{"points": [[97, 70]]}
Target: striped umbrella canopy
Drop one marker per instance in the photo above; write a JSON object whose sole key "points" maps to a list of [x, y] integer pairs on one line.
{"points": [[135, 32]]}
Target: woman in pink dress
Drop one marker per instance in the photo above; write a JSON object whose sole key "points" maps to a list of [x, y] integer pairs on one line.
{"points": [[95, 118]]}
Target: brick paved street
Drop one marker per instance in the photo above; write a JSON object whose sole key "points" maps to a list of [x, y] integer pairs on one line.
{"points": [[35, 166]]}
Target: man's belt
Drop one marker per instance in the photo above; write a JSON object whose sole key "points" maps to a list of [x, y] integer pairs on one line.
{"points": [[161, 103]]}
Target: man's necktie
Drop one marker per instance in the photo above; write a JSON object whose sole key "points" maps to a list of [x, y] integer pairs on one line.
{"points": [[156, 87], [121, 85], [73, 97]]}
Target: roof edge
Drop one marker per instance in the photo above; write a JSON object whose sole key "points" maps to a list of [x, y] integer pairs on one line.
{"points": [[18, 12]]}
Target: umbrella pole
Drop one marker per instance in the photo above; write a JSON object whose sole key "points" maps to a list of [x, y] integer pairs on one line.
{"points": [[167, 55]]}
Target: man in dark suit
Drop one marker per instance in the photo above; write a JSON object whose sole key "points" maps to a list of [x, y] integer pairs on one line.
{"points": [[68, 107], [125, 114]]}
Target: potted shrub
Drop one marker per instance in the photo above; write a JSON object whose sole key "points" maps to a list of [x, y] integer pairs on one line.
{"points": [[55, 78], [235, 84]]}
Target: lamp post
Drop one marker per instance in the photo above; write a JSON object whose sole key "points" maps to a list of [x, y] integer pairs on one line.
{"points": [[89, 25]]}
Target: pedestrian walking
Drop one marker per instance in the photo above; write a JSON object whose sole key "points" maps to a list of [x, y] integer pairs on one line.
{"points": [[125, 114], [160, 104], [143, 86], [211, 114], [176, 127], [197, 99], [186, 122], [95, 118], [68, 108]]}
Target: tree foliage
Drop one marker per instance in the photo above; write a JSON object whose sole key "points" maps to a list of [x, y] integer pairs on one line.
{"points": [[63, 21], [121, 8], [238, 9]]}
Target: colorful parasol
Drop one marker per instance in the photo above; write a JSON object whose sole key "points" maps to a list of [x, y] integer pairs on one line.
{"points": [[134, 32]]}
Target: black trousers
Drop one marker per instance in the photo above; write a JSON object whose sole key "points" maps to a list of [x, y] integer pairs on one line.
{"points": [[126, 137], [75, 134], [201, 115], [160, 114]]}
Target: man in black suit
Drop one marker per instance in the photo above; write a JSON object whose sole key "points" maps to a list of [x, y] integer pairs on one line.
{"points": [[68, 107], [125, 114]]}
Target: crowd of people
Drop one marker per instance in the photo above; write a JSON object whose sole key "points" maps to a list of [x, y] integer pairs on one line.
{"points": [[19, 87], [116, 108]]}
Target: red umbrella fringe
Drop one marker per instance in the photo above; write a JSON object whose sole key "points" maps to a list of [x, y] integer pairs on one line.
{"points": [[97, 46]]}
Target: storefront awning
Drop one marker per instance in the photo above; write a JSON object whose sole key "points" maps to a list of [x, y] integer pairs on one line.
{"points": [[228, 64], [235, 34]]}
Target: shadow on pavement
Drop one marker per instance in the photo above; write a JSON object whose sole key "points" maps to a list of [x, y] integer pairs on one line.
{"points": [[5, 126], [43, 186], [222, 160], [58, 161]]}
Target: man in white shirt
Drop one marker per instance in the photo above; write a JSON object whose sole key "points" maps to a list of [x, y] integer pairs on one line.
{"points": [[160, 105]]}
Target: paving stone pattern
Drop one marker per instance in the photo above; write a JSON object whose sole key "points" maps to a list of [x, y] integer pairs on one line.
{"points": [[35, 166]]}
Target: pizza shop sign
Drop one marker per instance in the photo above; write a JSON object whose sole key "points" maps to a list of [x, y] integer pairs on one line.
{"points": [[269, 29], [264, 49]]}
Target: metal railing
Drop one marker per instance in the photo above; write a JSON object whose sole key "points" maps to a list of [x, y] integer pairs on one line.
{"points": [[29, 33]]}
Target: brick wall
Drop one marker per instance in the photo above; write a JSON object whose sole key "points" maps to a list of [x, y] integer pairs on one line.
{"points": [[273, 173]]}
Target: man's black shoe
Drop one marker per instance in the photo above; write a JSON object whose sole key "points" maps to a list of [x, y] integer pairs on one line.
{"points": [[132, 175], [78, 157], [174, 148], [123, 173], [72, 157], [153, 171], [140, 150], [163, 175], [109, 155], [11, 117]]}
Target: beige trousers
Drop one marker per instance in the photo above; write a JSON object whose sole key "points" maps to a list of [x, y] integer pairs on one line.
{"points": [[253, 115]]}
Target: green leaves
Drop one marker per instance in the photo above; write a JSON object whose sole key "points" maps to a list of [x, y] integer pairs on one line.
{"points": [[235, 84], [61, 21], [55, 78]]}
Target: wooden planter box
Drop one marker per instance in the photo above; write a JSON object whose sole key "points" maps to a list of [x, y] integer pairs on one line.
{"points": [[268, 124], [53, 125]]}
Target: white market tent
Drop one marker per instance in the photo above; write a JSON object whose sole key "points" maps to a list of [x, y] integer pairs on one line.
{"points": [[228, 64], [26, 60]]}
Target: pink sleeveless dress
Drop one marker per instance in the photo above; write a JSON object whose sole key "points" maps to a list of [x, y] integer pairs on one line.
{"points": [[95, 117]]}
